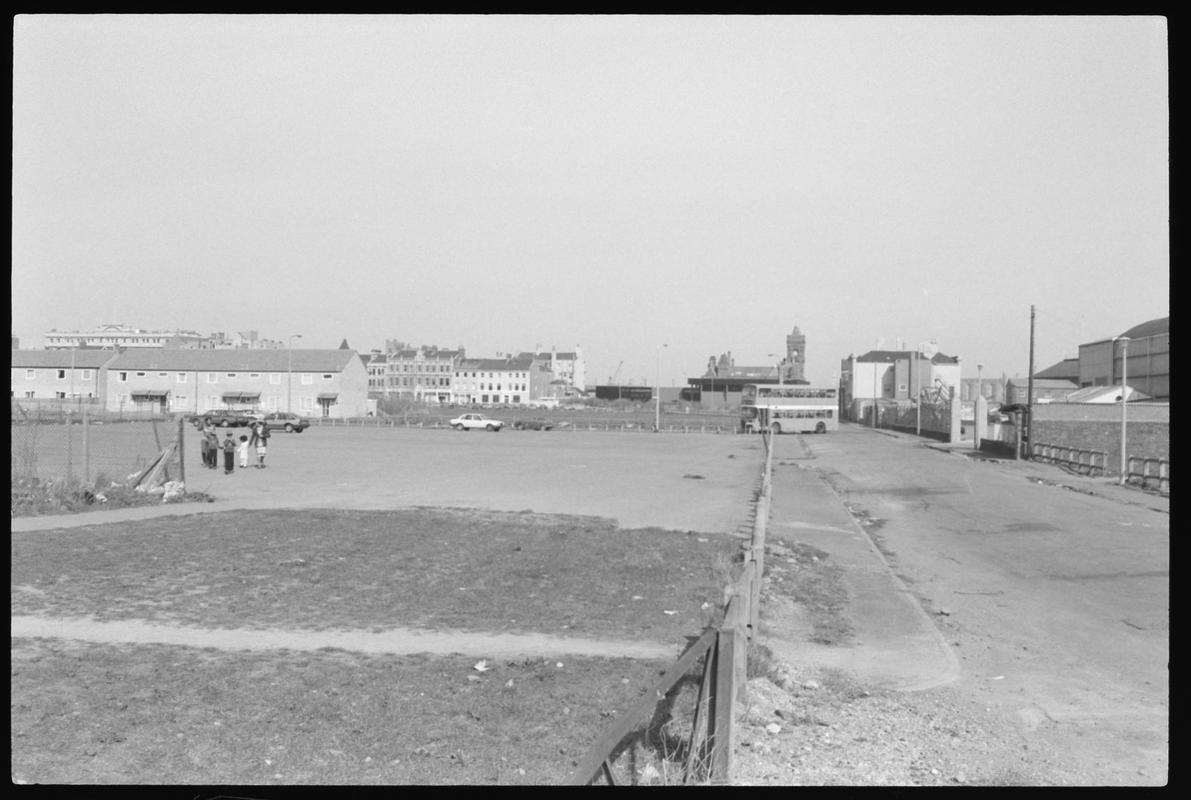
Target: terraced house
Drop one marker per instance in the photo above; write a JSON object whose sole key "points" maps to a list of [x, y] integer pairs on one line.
{"points": [[317, 383], [419, 373], [59, 374], [501, 381]]}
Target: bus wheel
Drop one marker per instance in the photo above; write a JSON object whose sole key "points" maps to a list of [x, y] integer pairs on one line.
{"points": [[775, 428], [821, 427]]}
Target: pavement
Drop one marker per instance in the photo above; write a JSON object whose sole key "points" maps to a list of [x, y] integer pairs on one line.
{"points": [[896, 644], [1038, 471]]}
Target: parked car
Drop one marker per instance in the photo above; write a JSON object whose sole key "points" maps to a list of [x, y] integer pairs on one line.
{"points": [[223, 418], [285, 421], [536, 424], [466, 422]]}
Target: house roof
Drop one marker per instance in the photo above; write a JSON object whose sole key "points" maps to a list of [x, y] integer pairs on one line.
{"points": [[497, 364], [1045, 383], [1066, 369], [84, 358], [890, 356], [1103, 394], [142, 358]]}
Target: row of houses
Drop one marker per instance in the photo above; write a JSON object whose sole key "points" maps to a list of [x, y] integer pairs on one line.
{"points": [[325, 383]]}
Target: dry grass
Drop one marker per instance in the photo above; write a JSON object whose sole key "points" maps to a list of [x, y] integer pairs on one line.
{"points": [[97, 713]]}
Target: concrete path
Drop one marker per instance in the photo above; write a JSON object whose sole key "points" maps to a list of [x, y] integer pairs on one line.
{"points": [[896, 645]]}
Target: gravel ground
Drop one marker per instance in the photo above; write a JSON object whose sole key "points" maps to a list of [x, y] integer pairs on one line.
{"points": [[822, 728]]}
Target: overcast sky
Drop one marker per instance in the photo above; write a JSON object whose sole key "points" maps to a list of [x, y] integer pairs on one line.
{"points": [[612, 183]]}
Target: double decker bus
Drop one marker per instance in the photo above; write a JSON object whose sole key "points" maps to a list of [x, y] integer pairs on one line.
{"points": [[788, 409]]}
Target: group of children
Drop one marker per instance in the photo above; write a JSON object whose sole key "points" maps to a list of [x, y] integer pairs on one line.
{"points": [[211, 447]]}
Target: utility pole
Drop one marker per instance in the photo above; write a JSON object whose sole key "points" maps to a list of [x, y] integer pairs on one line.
{"points": [[1030, 387]]}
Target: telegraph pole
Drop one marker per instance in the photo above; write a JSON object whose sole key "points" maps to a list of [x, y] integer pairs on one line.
{"points": [[1030, 386]]}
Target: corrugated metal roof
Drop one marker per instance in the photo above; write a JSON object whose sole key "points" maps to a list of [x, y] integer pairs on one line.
{"points": [[233, 360], [1065, 369], [84, 358], [890, 356], [1152, 328]]}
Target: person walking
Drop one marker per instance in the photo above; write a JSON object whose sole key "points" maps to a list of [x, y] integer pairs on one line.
{"points": [[229, 454]]}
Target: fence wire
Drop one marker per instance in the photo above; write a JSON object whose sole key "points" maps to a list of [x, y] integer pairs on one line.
{"points": [[92, 452]]}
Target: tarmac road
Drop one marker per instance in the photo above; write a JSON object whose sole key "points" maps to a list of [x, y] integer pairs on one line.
{"points": [[1049, 604]]}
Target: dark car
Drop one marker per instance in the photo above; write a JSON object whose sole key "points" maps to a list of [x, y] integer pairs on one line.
{"points": [[223, 418], [536, 424], [285, 421]]}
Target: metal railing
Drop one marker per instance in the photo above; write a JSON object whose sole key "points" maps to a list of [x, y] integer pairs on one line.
{"points": [[1083, 462], [1149, 473], [723, 684]]}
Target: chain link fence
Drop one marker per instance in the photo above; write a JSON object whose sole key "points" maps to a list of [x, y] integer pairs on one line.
{"points": [[71, 443]]}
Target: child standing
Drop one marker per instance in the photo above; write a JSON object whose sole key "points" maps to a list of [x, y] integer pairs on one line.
{"points": [[229, 454], [260, 453], [242, 450]]}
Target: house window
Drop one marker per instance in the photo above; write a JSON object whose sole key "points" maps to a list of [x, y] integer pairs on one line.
{"points": [[140, 374], [231, 374], [254, 374], [212, 377], [275, 378], [272, 403], [86, 374], [60, 395], [28, 395], [180, 401], [61, 374], [327, 377], [163, 374], [307, 403], [30, 374], [181, 377], [123, 377], [307, 379]]}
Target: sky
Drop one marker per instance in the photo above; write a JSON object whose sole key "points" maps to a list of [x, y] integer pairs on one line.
{"points": [[608, 183]]}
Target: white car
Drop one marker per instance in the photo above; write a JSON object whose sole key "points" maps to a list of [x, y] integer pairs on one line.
{"points": [[466, 422]]}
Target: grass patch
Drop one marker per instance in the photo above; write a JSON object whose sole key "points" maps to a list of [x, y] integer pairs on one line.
{"points": [[161, 714], [805, 575], [328, 569]]}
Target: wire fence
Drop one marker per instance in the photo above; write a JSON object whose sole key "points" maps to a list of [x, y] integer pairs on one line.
{"points": [[94, 452]]}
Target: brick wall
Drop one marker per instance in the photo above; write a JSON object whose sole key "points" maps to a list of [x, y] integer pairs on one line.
{"points": [[1143, 439]]}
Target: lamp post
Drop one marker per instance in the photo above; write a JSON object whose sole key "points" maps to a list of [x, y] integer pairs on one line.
{"points": [[1124, 340], [976, 407], [289, 374], [657, 400], [778, 367], [918, 391]]}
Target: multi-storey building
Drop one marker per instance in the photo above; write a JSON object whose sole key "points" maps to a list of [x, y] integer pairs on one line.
{"points": [[420, 373], [895, 375], [116, 335], [501, 381], [377, 364], [568, 369]]}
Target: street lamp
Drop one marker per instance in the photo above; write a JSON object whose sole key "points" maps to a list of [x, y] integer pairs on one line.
{"points": [[657, 400], [1124, 340], [976, 406], [918, 391], [289, 374]]}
